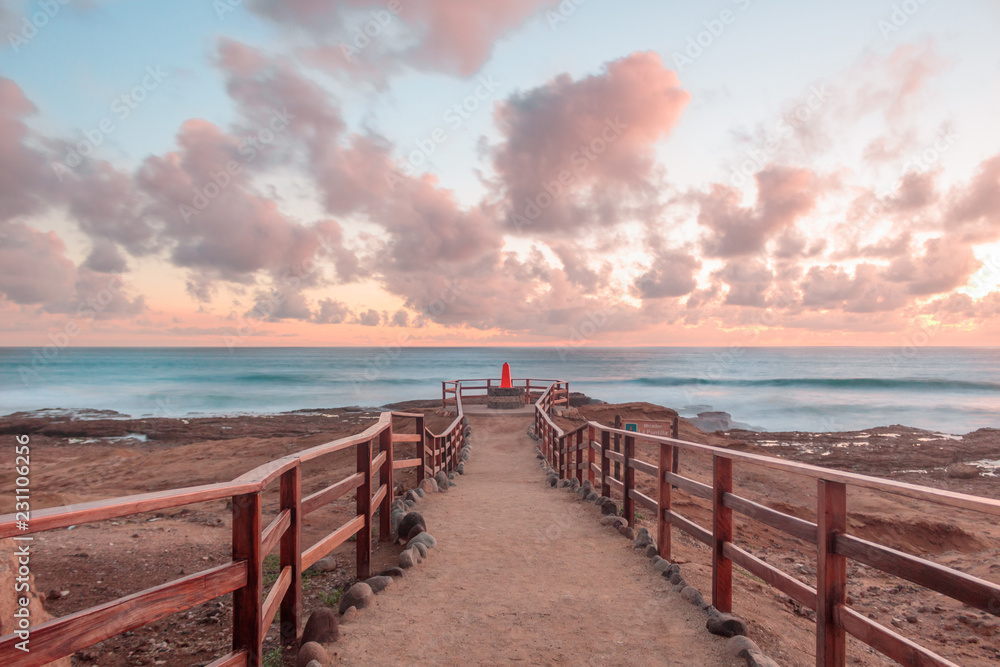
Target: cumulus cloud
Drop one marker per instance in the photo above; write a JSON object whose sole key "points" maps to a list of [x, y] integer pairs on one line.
{"points": [[784, 195], [375, 38], [581, 153], [33, 266]]}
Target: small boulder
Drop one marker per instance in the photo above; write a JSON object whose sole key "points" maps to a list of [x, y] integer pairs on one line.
{"points": [[643, 539], [651, 551], [552, 480], [661, 565], [406, 559], [379, 583], [961, 471], [359, 595], [420, 547], [428, 484], [411, 495], [613, 521], [460, 469], [391, 572], [409, 504], [442, 480], [609, 508], [739, 643], [420, 492], [627, 531], [424, 538], [416, 530], [692, 595], [322, 627], [328, 564], [725, 625], [349, 615], [311, 651], [592, 496], [407, 523], [676, 577]]}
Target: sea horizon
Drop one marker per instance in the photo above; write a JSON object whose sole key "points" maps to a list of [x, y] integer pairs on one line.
{"points": [[807, 388]]}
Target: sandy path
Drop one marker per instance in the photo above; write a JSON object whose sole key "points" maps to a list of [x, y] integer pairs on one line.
{"points": [[524, 573]]}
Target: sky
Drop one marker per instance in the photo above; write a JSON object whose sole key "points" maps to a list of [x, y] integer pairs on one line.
{"points": [[508, 172]]}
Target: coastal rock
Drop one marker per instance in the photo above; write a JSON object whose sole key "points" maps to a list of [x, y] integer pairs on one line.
{"points": [[961, 471], [409, 503], [428, 484], [312, 652], [739, 643], [420, 547], [552, 480], [408, 522], [460, 469], [411, 496], [676, 578], [627, 531], [651, 551], [609, 508], [661, 565], [322, 627], [416, 530], [591, 497], [359, 595], [349, 615], [420, 492]]}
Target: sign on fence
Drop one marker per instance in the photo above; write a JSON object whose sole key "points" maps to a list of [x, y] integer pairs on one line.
{"points": [[649, 427]]}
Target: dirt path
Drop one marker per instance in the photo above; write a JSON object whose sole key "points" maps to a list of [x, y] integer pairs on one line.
{"points": [[524, 573]]}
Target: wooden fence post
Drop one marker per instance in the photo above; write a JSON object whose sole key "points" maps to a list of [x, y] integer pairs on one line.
{"points": [[662, 522], [590, 454], [722, 567], [421, 473], [618, 447], [605, 464], [291, 554], [561, 444], [579, 456], [675, 464], [364, 509], [247, 613], [385, 477], [628, 480], [831, 573]]}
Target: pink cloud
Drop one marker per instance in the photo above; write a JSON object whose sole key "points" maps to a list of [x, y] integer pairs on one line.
{"points": [[579, 153]]}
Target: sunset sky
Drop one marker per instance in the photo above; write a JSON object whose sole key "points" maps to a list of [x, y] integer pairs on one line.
{"points": [[503, 172]]}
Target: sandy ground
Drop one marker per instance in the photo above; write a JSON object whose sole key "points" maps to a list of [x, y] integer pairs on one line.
{"points": [[524, 573]]}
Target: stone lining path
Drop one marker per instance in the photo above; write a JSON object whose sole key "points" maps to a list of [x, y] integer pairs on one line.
{"points": [[525, 574]]}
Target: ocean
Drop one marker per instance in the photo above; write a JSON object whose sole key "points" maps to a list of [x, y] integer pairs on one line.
{"points": [[951, 390]]}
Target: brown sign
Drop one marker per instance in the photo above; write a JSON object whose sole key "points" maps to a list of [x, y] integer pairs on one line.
{"points": [[662, 428]]}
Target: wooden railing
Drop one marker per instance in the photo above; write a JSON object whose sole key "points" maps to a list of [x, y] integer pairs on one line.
{"points": [[834, 545], [253, 614], [533, 389]]}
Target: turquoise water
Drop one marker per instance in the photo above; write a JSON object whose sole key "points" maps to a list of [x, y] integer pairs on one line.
{"points": [[954, 390]]}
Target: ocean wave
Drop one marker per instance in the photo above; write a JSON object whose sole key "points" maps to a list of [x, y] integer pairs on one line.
{"points": [[826, 383]]}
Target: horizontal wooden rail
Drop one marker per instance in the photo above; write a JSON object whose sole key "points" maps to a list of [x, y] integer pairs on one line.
{"points": [[379, 460], [68, 634], [975, 592], [790, 586], [693, 487], [402, 464], [887, 642], [100, 510], [377, 498], [234, 659], [398, 438], [273, 599], [643, 467], [643, 499], [331, 541], [274, 531], [690, 527], [326, 496], [804, 530]]}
